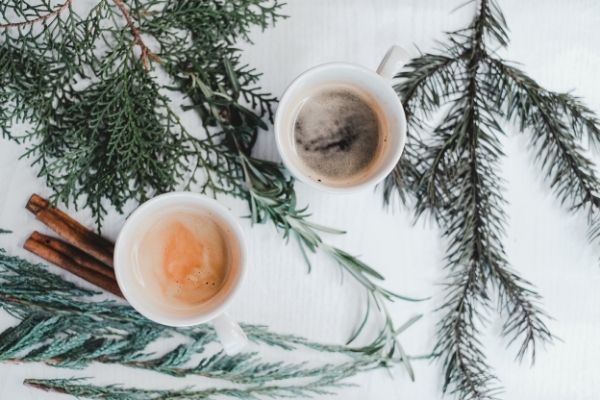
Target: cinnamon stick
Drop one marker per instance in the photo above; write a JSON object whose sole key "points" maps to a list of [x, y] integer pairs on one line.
{"points": [[69, 264], [37, 203], [71, 231], [81, 258]]}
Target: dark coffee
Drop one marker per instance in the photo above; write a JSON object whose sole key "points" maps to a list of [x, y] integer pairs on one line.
{"points": [[338, 134]]}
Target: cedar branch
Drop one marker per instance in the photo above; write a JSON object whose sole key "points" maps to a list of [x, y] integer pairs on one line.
{"points": [[44, 17], [145, 52]]}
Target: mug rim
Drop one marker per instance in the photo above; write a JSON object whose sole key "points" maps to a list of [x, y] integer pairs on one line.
{"points": [[142, 307], [377, 177]]}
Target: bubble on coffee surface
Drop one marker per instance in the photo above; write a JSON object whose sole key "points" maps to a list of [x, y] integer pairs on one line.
{"points": [[337, 133]]}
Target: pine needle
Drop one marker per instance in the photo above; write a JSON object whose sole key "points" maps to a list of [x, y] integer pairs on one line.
{"points": [[451, 172]]}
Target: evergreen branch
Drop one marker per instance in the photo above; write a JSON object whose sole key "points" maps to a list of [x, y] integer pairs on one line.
{"points": [[118, 141], [145, 52], [41, 86], [419, 81], [555, 138], [524, 317], [61, 325], [418, 87], [469, 216], [454, 178], [55, 13], [466, 370], [80, 388]]}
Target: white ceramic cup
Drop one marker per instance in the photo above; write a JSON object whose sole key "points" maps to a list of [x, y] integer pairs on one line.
{"points": [[377, 85], [150, 305]]}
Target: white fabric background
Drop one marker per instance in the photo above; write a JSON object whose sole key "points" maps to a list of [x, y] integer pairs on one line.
{"points": [[558, 43]]}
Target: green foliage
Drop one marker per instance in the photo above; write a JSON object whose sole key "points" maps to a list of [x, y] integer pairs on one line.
{"points": [[101, 125], [450, 171], [80, 388], [63, 325], [104, 130]]}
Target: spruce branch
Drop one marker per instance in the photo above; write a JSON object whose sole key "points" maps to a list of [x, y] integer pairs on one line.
{"points": [[418, 83], [558, 123], [473, 249], [451, 173]]}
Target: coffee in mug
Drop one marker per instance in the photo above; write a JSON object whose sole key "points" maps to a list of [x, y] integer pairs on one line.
{"points": [[185, 256], [180, 260], [339, 134], [341, 127]]}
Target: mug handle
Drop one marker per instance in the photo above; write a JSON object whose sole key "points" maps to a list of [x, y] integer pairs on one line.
{"points": [[394, 58], [230, 334]]}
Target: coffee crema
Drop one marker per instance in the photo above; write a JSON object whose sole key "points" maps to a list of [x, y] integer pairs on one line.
{"points": [[186, 256], [339, 134]]}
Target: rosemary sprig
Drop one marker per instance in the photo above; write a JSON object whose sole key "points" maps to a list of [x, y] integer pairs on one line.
{"points": [[271, 195], [450, 171]]}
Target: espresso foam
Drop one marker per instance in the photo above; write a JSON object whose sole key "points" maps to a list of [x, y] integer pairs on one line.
{"points": [[185, 257], [337, 133]]}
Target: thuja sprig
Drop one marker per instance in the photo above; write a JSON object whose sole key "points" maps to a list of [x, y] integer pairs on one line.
{"points": [[87, 90], [450, 171]]}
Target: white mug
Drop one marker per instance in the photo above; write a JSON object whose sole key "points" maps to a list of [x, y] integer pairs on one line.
{"points": [[375, 84], [230, 334]]}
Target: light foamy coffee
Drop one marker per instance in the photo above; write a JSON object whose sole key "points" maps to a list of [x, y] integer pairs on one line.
{"points": [[338, 134], [185, 256]]}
